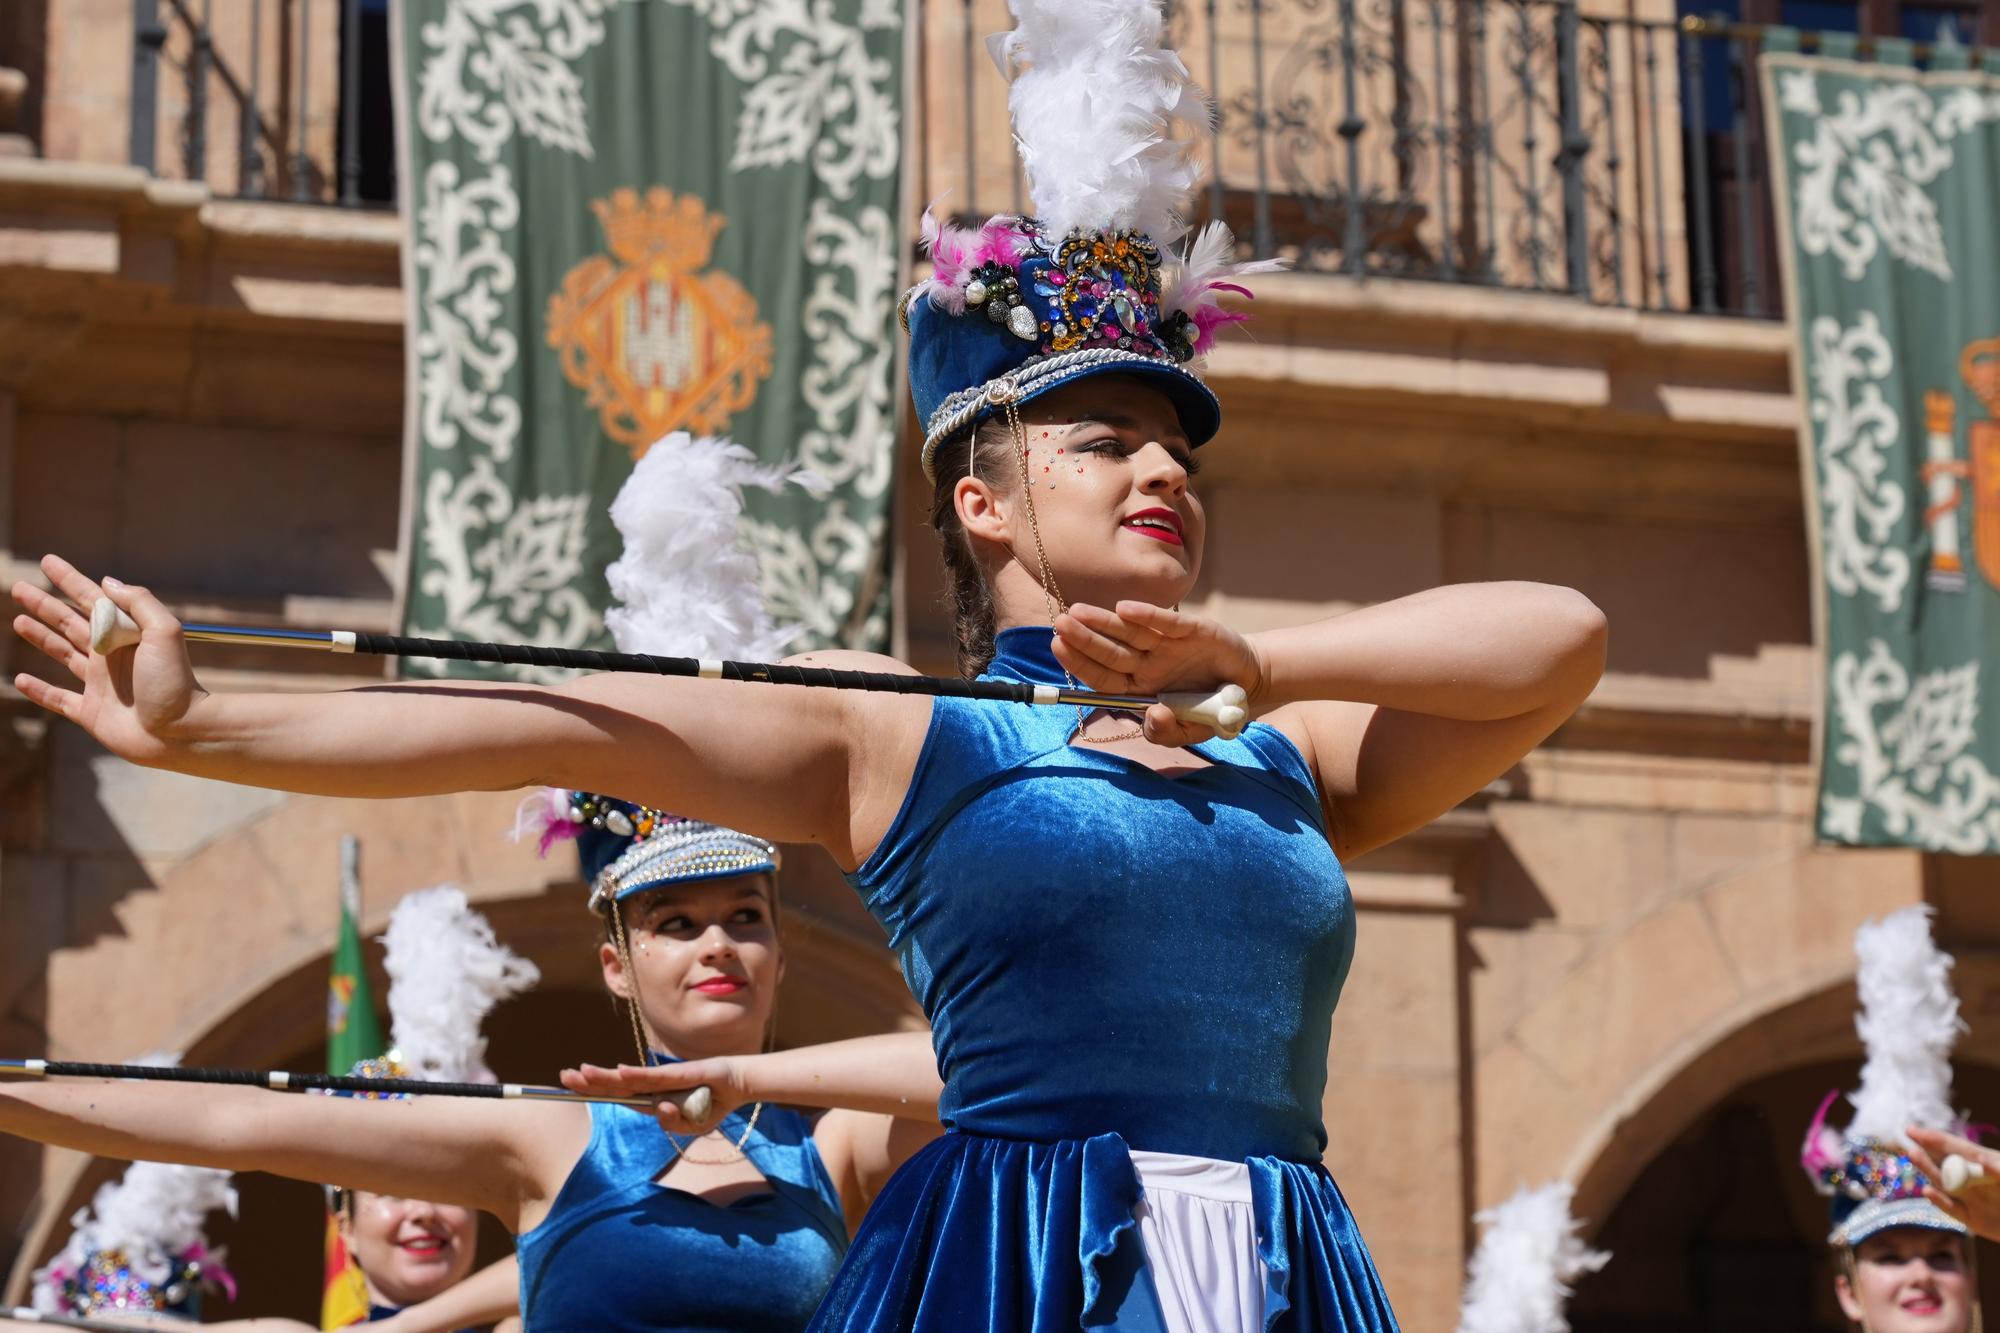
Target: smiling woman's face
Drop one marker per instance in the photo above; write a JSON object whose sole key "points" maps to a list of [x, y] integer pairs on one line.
{"points": [[1909, 1280], [409, 1250], [706, 963]]}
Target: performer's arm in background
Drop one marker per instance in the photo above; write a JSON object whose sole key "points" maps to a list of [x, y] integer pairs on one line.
{"points": [[488, 1296], [1402, 709], [508, 1159], [791, 764], [884, 1090], [894, 1074]]}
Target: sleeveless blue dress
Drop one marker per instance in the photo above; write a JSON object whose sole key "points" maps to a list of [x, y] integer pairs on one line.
{"points": [[1110, 959], [619, 1253]]}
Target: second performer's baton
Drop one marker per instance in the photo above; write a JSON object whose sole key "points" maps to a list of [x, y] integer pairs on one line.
{"points": [[694, 1103]]}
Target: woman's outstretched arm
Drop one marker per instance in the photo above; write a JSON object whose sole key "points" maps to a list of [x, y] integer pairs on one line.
{"points": [[780, 761], [894, 1074], [507, 1159], [487, 1297], [1403, 709]]}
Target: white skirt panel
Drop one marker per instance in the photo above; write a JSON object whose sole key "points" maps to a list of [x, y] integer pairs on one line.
{"points": [[1199, 1228]]}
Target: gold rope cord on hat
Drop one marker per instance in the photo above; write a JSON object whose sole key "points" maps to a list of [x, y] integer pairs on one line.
{"points": [[681, 1153], [1052, 598]]}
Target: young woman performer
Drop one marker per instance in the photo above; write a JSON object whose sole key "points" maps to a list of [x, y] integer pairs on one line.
{"points": [[1904, 1264], [622, 1224], [1129, 937]]}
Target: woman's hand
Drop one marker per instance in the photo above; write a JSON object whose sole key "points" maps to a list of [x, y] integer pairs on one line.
{"points": [[1979, 1206], [1138, 648], [132, 701], [723, 1077]]}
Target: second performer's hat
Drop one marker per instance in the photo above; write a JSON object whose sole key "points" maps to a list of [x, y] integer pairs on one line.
{"points": [[684, 585], [1090, 284], [1908, 1023]]}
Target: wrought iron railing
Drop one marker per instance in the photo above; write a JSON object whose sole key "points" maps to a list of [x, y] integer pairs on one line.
{"points": [[1516, 143], [265, 99]]}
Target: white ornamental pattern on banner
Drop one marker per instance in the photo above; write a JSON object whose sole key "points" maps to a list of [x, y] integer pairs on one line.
{"points": [[1863, 173], [1859, 440], [1907, 743], [502, 566]]}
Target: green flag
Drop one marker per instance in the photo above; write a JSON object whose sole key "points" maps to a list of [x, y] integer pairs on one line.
{"points": [[627, 220], [353, 1032], [1888, 184]]}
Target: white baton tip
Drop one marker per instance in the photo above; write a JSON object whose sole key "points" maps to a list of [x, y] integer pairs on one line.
{"points": [[1226, 710], [695, 1106], [110, 628], [343, 640], [1958, 1173]]}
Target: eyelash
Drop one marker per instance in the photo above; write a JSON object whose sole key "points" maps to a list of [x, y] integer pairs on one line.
{"points": [[749, 916], [1189, 463]]}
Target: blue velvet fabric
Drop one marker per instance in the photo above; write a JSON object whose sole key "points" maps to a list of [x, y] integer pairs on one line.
{"points": [[1111, 958], [621, 1253]]}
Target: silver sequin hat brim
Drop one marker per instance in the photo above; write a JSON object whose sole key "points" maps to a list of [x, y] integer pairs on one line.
{"points": [[1040, 376], [1877, 1215]]}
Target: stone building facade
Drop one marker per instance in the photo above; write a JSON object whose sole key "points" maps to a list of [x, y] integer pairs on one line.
{"points": [[1625, 965]]}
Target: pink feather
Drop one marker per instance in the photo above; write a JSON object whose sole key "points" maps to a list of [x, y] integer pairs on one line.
{"points": [[1823, 1149], [1208, 321], [544, 816]]}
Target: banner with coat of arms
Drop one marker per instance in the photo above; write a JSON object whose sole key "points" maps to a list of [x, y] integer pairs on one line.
{"points": [[1888, 181], [627, 218]]}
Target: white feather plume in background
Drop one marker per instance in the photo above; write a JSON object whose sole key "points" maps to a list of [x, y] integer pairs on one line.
{"points": [[152, 1213], [1908, 1022], [1098, 104], [686, 584], [1527, 1263], [446, 972]]}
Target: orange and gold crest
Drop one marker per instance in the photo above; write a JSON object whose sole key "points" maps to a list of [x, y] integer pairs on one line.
{"points": [[1980, 365], [655, 343]]}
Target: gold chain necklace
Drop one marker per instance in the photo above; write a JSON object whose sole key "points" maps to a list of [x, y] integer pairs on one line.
{"points": [[1052, 597], [681, 1153], [645, 1053]]}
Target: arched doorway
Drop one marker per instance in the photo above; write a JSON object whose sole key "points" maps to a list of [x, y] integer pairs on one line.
{"points": [[1721, 1232]]}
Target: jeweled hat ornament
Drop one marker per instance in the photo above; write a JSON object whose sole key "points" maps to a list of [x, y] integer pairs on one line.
{"points": [[1090, 284], [140, 1246], [1908, 1023]]}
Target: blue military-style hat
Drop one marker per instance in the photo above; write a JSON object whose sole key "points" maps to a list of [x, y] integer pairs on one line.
{"points": [[1089, 284]]}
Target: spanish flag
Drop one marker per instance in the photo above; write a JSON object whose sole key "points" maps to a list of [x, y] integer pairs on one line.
{"points": [[353, 1034]]}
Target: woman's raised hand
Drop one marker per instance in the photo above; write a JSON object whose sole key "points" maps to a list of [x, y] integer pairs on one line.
{"points": [[1978, 1206], [132, 700], [1139, 648], [722, 1076]]}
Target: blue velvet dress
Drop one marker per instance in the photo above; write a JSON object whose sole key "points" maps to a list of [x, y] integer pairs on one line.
{"points": [[620, 1253], [1111, 958]]}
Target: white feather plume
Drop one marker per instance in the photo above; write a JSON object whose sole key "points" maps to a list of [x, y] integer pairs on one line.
{"points": [[153, 1213], [1908, 1022], [1523, 1272], [686, 585], [446, 972], [1098, 105]]}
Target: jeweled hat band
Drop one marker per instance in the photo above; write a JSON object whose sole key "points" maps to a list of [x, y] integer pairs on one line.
{"points": [[1876, 1215], [630, 849]]}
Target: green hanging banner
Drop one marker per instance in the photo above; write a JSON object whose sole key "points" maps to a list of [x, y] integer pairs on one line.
{"points": [[1888, 185], [625, 219]]}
